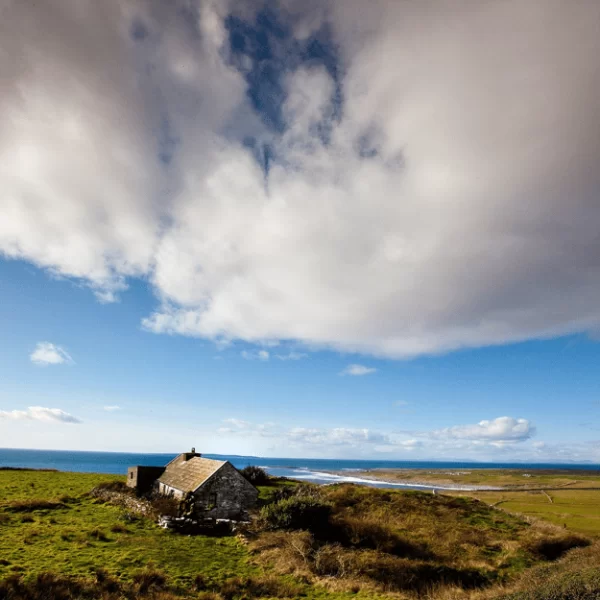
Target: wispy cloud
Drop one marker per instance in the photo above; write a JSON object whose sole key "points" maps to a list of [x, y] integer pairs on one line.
{"points": [[40, 413], [358, 370], [262, 355], [291, 356], [246, 428], [112, 408], [500, 430], [46, 353], [488, 436]]}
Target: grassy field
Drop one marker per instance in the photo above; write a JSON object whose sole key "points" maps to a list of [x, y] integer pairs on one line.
{"points": [[574, 509], [506, 478], [79, 535], [563, 498], [338, 542]]}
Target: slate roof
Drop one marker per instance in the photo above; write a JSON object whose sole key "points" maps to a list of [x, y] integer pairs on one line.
{"points": [[189, 475]]}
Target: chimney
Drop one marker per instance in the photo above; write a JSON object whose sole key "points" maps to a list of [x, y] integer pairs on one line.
{"points": [[192, 454]]}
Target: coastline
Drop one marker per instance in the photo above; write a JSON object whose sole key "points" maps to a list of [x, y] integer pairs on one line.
{"points": [[473, 480]]}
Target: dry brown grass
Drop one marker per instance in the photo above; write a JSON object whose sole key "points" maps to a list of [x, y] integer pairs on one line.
{"points": [[409, 542], [27, 506]]}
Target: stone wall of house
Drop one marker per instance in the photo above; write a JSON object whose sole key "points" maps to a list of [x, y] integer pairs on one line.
{"points": [[142, 478], [226, 495], [171, 492]]}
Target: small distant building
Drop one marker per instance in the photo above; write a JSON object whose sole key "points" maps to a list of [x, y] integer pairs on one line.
{"points": [[209, 488]]}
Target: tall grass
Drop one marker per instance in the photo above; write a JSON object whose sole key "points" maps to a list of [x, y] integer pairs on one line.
{"points": [[398, 541]]}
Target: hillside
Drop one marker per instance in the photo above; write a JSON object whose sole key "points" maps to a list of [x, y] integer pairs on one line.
{"points": [[56, 541]]}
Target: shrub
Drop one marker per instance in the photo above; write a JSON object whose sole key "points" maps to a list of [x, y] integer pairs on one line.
{"points": [[368, 534], [49, 586], [297, 513], [118, 528], [164, 506], [259, 587], [256, 475], [552, 548], [98, 534], [68, 499], [150, 580], [113, 486], [33, 505], [579, 585]]}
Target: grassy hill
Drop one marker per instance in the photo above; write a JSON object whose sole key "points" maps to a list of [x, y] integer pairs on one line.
{"points": [[57, 541]]}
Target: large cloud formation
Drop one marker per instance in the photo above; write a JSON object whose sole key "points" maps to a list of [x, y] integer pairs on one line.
{"points": [[418, 177]]}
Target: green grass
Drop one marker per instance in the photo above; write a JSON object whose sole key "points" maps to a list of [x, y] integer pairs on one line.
{"points": [[511, 478], [576, 510], [79, 535], [376, 542]]}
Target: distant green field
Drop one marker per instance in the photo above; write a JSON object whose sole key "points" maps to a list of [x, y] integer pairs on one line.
{"points": [[575, 509], [510, 478]]}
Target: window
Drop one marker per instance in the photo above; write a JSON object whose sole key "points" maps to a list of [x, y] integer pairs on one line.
{"points": [[131, 475], [212, 499]]}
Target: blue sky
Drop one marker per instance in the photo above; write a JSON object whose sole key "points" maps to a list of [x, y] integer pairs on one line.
{"points": [[174, 391], [301, 229]]}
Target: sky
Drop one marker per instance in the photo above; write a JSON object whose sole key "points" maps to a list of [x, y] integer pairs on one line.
{"points": [[306, 228]]}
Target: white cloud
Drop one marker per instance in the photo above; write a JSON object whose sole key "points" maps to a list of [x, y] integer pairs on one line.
{"points": [[39, 413], [486, 439], [262, 355], [338, 436], [112, 408], [46, 353], [292, 356], [358, 370], [500, 430], [246, 428], [401, 403], [451, 204]]}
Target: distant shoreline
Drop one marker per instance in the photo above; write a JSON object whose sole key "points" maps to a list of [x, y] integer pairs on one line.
{"points": [[485, 480]]}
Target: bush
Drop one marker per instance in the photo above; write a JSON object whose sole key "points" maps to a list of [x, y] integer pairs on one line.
{"points": [[256, 475], [368, 534], [98, 534], [50, 586], [150, 580], [164, 506], [297, 513], [553, 548], [580, 585], [259, 587], [27, 506], [113, 486]]}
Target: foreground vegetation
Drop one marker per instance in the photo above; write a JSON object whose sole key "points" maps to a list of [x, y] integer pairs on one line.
{"points": [[58, 541]]}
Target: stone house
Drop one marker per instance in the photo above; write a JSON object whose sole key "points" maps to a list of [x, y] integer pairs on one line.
{"points": [[208, 488]]}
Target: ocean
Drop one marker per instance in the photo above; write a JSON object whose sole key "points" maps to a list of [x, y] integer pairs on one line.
{"points": [[312, 470]]}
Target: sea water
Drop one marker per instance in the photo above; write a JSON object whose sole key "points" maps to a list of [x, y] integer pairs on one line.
{"points": [[314, 470]]}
